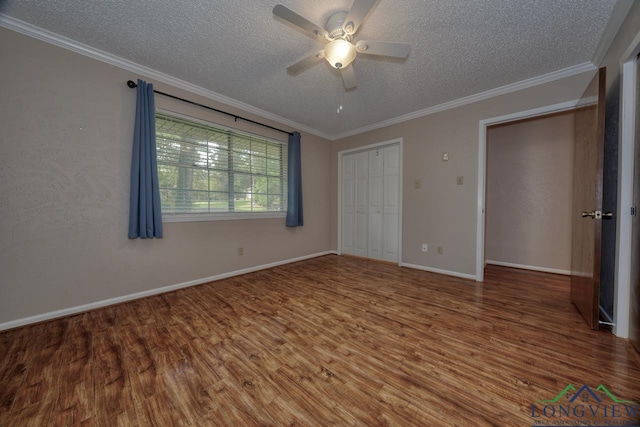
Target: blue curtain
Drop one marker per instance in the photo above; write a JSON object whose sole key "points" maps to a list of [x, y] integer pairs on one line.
{"points": [[294, 195], [145, 218]]}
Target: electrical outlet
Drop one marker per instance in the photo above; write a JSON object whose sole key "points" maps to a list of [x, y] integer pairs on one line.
{"points": [[439, 250], [424, 247], [445, 157], [240, 251], [460, 180]]}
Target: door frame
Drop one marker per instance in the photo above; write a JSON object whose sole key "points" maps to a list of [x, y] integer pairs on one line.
{"points": [[626, 152], [622, 286], [397, 141], [482, 166]]}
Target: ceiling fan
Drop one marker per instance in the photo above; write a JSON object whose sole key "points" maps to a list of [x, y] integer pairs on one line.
{"points": [[338, 33]]}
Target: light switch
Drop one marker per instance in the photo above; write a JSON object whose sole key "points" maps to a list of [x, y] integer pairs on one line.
{"points": [[417, 184], [460, 180]]}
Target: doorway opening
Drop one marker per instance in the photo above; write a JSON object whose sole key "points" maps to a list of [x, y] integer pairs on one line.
{"points": [[529, 191], [482, 137]]}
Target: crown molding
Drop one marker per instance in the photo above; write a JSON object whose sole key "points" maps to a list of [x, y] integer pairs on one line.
{"points": [[86, 50], [618, 15], [524, 84]]}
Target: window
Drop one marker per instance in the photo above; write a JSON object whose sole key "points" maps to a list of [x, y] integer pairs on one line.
{"points": [[206, 169]]}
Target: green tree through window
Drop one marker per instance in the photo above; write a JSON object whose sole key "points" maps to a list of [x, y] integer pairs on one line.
{"points": [[203, 168]]}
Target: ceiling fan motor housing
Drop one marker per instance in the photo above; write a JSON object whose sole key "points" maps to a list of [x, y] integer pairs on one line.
{"points": [[334, 25]]}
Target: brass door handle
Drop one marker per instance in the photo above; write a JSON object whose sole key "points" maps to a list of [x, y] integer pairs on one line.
{"points": [[591, 214]]}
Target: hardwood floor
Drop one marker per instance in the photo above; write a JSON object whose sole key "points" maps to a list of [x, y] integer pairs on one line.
{"points": [[328, 341]]}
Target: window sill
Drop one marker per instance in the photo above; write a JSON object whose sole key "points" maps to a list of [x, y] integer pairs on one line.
{"points": [[223, 216]]}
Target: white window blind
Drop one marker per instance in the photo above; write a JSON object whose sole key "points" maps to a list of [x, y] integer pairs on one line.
{"points": [[206, 169]]}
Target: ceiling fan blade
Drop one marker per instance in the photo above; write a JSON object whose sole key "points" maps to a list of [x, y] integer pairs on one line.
{"points": [[359, 11], [307, 62], [290, 16], [394, 49], [348, 77]]}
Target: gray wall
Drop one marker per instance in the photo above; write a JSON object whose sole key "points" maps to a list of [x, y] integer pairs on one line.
{"points": [[64, 165], [65, 154], [442, 213], [529, 192]]}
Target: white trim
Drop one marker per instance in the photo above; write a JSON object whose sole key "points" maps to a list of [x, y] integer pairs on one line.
{"points": [[524, 84], [618, 15], [390, 142], [370, 146], [222, 216], [439, 271], [339, 243], [626, 150], [117, 300], [400, 198], [86, 50], [141, 70], [482, 164], [530, 267]]}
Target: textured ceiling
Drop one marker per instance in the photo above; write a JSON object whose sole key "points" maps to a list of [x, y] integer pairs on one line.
{"points": [[240, 50]]}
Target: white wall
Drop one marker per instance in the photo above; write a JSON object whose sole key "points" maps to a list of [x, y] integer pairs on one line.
{"points": [[529, 188], [65, 154]]}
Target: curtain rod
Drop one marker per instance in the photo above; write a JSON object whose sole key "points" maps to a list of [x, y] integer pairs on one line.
{"points": [[133, 84]]}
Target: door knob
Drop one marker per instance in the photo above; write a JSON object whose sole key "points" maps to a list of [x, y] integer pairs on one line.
{"points": [[597, 215]]}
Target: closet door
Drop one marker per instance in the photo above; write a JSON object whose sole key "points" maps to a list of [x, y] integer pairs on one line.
{"points": [[370, 203], [376, 181], [391, 203], [348, 204], [362, 204]]}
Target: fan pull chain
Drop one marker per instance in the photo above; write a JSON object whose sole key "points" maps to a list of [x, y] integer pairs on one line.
{"points": [[339, 98]]}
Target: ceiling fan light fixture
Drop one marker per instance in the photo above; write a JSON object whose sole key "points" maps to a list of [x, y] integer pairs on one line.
{"points": [[339, 53]]}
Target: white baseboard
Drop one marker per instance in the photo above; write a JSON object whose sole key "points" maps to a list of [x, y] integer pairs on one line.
{"points": [[117, 300], [439, 271], [529, 267]]}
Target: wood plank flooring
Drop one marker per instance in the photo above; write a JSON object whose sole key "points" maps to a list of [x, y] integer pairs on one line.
{"points": [[328, 341]]}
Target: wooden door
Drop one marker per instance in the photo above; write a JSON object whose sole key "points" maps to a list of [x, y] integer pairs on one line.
{"points": [[587, 200], [634, 302]]}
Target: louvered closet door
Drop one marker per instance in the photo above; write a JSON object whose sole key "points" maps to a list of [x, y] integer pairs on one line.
{"points": [[391, 203], [348, 204], [376, 181], [362, 204]]}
